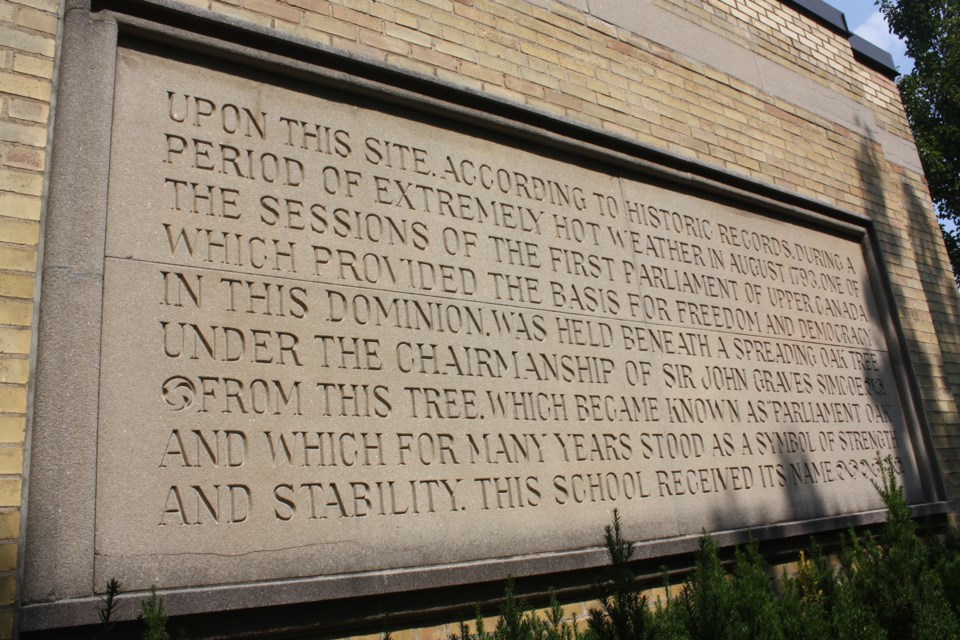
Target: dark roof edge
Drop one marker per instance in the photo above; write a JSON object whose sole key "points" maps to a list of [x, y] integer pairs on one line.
{"points": [[873, 56], [832, 18], [823, 13]]}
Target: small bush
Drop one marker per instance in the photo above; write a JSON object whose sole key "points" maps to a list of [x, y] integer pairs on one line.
{"points": [[624, 612], [108, 608], [755, 608], [891, 586], [154, 617]]}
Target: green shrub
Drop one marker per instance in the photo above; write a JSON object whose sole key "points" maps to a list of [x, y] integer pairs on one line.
{"points": [[154, 617], [892, 584], [756, 610], [517, 622], [807, 597], [105, 630], [707, 597], [624, 612]]}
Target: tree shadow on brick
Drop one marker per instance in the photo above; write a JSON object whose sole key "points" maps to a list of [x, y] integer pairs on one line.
{"points": [[911, 243], [940, 292]]}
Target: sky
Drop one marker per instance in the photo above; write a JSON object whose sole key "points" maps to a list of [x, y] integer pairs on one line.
{"points": [[865, 20]]}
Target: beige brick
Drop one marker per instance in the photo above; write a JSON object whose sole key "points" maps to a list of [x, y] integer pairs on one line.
{"points": [[413, 65], [29, 42], [40, 67], [475, 15], [6, 623], [443, 5], [357, 18], [19, 231], [415, 37], [329, 25], [406, 19], [362, 6], [17, 258], [404, 634], [513, 28], [25, 86], [439, 632], [8, 583], [358, 49], [37, 20], [9, 525], [315, 6], [21, 182], [573, 64], [539, 78], [382, 42], [380, 10], [32, 110], [431, 28], [579, 90], [305, 32], [14, 340], [539, 51], [556, 97], [481, 73], [434, 58], [602, 26], [13, 399], [12, 429], [568, 13], [274, 8], [16, 313], [456, 50], [414, 7], [22, 157], [10, 492], [11, 463], [8, 556], [493, 63], [242, 13], [502, 92], [28, 134], [16, 285], [455, 77], [50, 6], [20, 206], [523, 86], [14, 371]]}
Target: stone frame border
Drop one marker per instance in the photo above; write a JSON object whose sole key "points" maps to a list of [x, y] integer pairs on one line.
{"points": [[59, 501]]}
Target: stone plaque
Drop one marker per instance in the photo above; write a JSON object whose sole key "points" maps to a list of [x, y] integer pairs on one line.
{"points": [[339, 338]]}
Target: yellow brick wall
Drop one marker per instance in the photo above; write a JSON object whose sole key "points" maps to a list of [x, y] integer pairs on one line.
{"points": [[28, 36], [556, 60]]}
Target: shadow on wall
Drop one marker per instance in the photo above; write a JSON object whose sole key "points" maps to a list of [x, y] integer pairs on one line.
{"points": [[911, 242]]}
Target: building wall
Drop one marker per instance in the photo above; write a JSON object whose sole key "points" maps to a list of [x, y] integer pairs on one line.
{"points": [[28, 44], [751, 86]]}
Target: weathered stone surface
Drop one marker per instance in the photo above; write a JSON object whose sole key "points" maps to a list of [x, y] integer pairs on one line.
{"points": [[340, 339]]}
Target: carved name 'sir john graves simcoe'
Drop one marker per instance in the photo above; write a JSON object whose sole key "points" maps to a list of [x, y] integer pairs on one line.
{"points": [[339, 339]]}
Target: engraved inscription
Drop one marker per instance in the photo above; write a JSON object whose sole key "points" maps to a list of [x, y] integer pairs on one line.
{"points": [[338, 338]]}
